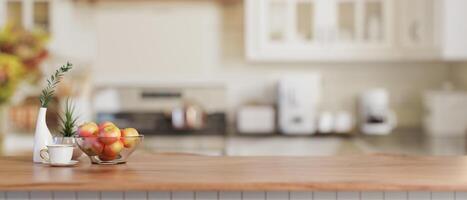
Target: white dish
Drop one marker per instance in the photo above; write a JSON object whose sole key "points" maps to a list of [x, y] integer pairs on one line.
{"points": [[71, 163]]}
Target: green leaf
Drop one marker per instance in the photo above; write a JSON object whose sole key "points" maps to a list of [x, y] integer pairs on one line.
{"points": [[49, 91]]}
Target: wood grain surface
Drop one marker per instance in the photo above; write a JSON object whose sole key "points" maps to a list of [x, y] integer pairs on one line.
{"points": [[151, 172]]}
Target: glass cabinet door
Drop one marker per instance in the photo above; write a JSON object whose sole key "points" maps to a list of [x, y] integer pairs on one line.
{"points": [[362, 22], [29, 14], [346, 21], [290, 21], [41, 15], [14, 11], [374, 21], [305, 20], [277, 20]]}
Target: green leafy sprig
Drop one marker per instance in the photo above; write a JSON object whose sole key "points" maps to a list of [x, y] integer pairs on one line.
{"points": [[68, 120], [52, 82]]}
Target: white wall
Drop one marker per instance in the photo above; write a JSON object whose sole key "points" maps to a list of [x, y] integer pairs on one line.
{"points": [[176, 41]]}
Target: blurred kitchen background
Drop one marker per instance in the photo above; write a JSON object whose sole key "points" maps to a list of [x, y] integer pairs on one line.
{"points": [[245, 77]]}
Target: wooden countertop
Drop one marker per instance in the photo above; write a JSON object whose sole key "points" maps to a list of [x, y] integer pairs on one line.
{"points": [[195, 173]]}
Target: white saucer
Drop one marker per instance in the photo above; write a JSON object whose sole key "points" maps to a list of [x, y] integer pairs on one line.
{"points": [[71, 163]]}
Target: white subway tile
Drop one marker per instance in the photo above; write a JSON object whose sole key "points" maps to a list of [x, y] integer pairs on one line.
{"points": [[420, 195], [348, 195], [88, 195], [254, 195], [17, 195], [301, 195], [372, 196], [442, 195], [159, 195], [207, 195], [395, 195], [111, 195], [324, 195], [41, 195], [461, 195], [64, 195], [277, 195], [183, 195], [135, 195], [230, 195]]}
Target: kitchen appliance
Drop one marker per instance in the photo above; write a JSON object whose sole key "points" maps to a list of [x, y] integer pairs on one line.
{"points": [[325, 122], [190, 116], [344, 123], [375, 115], [297, 103], [445, 113], [167, 110], [256, 119]]}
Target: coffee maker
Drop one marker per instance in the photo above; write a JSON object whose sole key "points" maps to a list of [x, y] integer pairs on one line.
{"points": [[376, 117]]}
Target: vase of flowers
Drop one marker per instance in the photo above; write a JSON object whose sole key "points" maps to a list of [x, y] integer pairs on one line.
{"points": [[42, 136]]}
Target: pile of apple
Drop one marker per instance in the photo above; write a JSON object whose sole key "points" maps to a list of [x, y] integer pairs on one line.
{"points": [[106, 140]]}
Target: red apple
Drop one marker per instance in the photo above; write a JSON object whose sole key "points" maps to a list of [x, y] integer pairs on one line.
{"points": [[109, 135], [91, 146], [112, 150], [102, 125], [88, 129], [129, 137]]}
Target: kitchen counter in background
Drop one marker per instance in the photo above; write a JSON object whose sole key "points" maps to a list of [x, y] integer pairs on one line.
{"points": [[410, 142]]}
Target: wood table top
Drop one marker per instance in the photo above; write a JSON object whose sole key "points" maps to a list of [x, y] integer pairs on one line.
{"points": [[153, 172]]}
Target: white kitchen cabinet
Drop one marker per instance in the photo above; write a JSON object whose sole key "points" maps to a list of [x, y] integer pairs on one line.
{"points": [[298, 30], [69, 24], [29, 14], [454, 29], [355, 30]]}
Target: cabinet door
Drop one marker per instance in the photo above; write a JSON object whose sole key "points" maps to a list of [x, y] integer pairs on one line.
{"points": [[363, 23], [29, 14], [281, 29], [417, 22], [454, 35]]}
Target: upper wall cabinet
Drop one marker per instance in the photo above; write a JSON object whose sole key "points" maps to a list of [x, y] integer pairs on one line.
{"points": [[29, 14], [454, 29], [346, 30]]}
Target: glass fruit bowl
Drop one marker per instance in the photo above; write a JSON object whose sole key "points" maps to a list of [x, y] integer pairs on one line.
{"points": [[109, 150]]}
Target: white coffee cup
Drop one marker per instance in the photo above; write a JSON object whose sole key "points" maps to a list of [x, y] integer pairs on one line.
{"points": [[57, 153]]}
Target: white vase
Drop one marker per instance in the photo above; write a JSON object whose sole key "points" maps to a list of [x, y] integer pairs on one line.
{"points": [[42, 136]]}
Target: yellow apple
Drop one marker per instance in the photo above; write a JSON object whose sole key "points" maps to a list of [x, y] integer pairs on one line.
{"points": [[88, 129], [112, 150], [129, 137], [102, 125], [109, 135]]}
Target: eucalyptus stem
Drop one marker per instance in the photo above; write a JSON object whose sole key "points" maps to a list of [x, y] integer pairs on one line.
{"points": [[52, 82]]}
